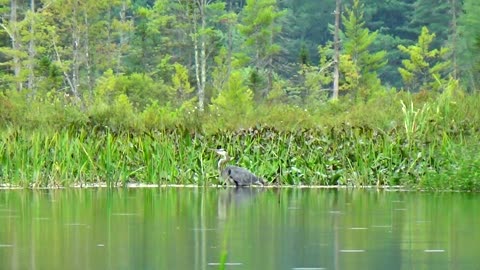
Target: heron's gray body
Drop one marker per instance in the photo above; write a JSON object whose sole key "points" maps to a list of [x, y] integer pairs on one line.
{"points": [[234, 174], [240, 176]]}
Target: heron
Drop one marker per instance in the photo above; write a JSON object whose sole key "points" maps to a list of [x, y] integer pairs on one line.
{"points": [[234, 174]]}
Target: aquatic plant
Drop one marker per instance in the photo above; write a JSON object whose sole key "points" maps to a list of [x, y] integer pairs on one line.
{"points": [[408, 143], [338, 155]]}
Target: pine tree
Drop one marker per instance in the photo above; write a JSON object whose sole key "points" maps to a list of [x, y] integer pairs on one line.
{"points": [[391, 19], [305, 26], [259, 27], [181, 92], [469, 44], [435, 15], [10, 26], [426, 69], [357, 40], [235, 102]]}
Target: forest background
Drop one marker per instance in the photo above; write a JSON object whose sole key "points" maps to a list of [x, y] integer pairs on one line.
{"points": [[149, 64], [395, 79]]}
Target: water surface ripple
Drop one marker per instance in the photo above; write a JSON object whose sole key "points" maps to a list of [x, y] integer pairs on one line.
{"points": [[250, 228]]}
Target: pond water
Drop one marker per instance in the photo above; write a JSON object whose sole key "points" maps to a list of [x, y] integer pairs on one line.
{"points": [[252, 228]]}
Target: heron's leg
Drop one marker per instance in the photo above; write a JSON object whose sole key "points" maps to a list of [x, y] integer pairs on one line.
{"points": [[236, 184]]}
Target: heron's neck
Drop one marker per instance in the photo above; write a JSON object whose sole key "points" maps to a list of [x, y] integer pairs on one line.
{"points": [[223, 162]]}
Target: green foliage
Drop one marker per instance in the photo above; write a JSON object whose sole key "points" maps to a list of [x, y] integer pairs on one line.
{"points": [[462, 174], [139, 88], [70, 45], [52, 110], [349, 74], [106, 88], [181, 88], [418, 122], [259, 27], [181, 92], [221, 72], [283, 93], [360, 66], [148, 37], [233, 104], [436, 14], [49, 75], [304, 26], [123, 113], [317, 79], [126, 66], [419, 156], [425, 69], [155, 117], [469, 45]]}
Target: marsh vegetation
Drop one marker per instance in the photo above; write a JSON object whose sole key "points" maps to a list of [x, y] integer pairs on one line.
{"points": [[428, 145], [138, 91]]}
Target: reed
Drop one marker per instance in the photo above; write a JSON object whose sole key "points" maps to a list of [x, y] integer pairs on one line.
{"points": [[347, 155]]}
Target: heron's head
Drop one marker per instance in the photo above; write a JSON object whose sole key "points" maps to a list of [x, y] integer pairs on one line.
{"points": [[221, 152]]}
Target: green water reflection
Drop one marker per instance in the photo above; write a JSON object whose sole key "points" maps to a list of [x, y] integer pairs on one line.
{"points": [[187, 228]]}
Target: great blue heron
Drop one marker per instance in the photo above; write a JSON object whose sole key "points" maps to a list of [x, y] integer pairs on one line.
{"points": [[237, 175]]}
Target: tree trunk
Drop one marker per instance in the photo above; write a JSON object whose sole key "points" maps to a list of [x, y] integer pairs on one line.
{"points": [[196, 54], [336, 72], [15, 45], [88, 67], [230, 29], [454, 33], [203, 59], [76, 51], [200, 52], [269, 70], [31, 50], [123, 17]]}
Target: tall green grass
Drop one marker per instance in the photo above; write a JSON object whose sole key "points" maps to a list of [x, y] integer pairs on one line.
{"points": [[345, 154], [393, 140]]}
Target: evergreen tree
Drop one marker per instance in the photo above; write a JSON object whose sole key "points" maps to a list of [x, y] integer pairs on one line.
{"points": [[305, 26], [137, 60], [435, 15], [44, 72], [357, 40], [453, 38], [235, 102], [12, 50], [391, 19], [182, 93], [426, 69], [259, 27], [469, 44]]}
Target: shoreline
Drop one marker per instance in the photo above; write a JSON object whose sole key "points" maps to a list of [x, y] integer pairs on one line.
{"points": [[143, 185]]}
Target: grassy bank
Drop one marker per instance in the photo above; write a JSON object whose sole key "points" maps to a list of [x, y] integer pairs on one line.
{"points": [[339, 155], [410, 142]]}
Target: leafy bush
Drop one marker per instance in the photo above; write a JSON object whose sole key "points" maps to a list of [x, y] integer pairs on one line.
{"points": [[234, 104], [139, 88]]}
